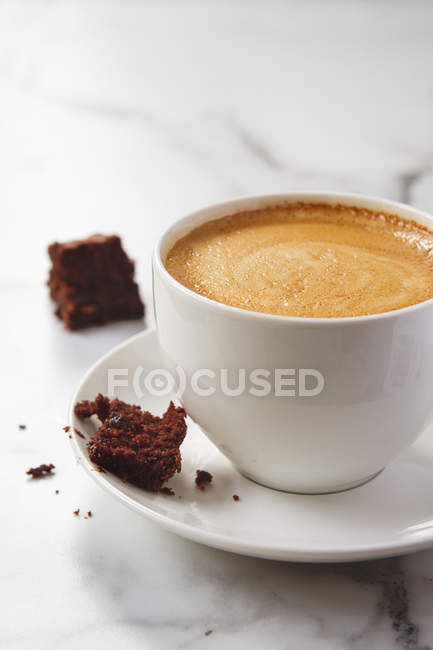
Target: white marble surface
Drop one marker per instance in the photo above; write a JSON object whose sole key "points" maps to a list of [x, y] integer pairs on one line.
{"points": [[119, 116]]}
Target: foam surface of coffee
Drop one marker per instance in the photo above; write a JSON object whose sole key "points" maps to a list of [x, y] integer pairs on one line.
{"points": [[307, 260]]}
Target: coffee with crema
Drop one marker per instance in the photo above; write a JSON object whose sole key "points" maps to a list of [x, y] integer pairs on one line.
{"points": [[310, 260]]}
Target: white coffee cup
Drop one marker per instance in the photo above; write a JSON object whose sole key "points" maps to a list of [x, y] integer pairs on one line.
{"points": [[377, 393]]}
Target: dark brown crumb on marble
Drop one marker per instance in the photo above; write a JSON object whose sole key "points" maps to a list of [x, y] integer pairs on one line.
{"points": [[89, 514], [41, 471], [76, 512], [22, 427], [203, 479], [236, 497], [70, 437], [134, 444], [79, 433], [57, 491], [168, 491], [67, 429]]}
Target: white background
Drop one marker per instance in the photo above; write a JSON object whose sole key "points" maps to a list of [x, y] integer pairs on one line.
{"points": [[120, 117]]}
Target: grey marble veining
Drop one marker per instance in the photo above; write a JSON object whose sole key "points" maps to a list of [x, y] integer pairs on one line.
{"points": [[120, 116]]}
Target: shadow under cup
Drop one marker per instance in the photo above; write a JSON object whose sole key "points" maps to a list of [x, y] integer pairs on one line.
{"points": [[374, 372]]}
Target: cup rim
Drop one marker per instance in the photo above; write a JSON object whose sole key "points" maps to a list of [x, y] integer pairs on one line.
{"points": [[344, 198]]}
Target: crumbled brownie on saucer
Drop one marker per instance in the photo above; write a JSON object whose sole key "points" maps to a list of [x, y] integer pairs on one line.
{"points": [[203, 479], [133, 444]]}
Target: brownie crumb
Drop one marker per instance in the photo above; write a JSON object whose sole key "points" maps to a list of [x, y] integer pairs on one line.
{"points": [[168, 491], [208, 632], [236, 497], [67, 429], [70, 437], [41, 471], [76, 512], [91, 281], [22, 427], [57, 491], [89, 514], [203, 479], [134, 444], [79, 433]]}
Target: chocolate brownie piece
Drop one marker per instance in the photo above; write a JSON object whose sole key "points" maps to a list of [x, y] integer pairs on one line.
{"points": [[92, 282], [133, 444]]}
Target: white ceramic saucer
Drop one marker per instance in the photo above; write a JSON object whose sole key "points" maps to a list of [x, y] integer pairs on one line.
{"points": [[390, 515]]}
